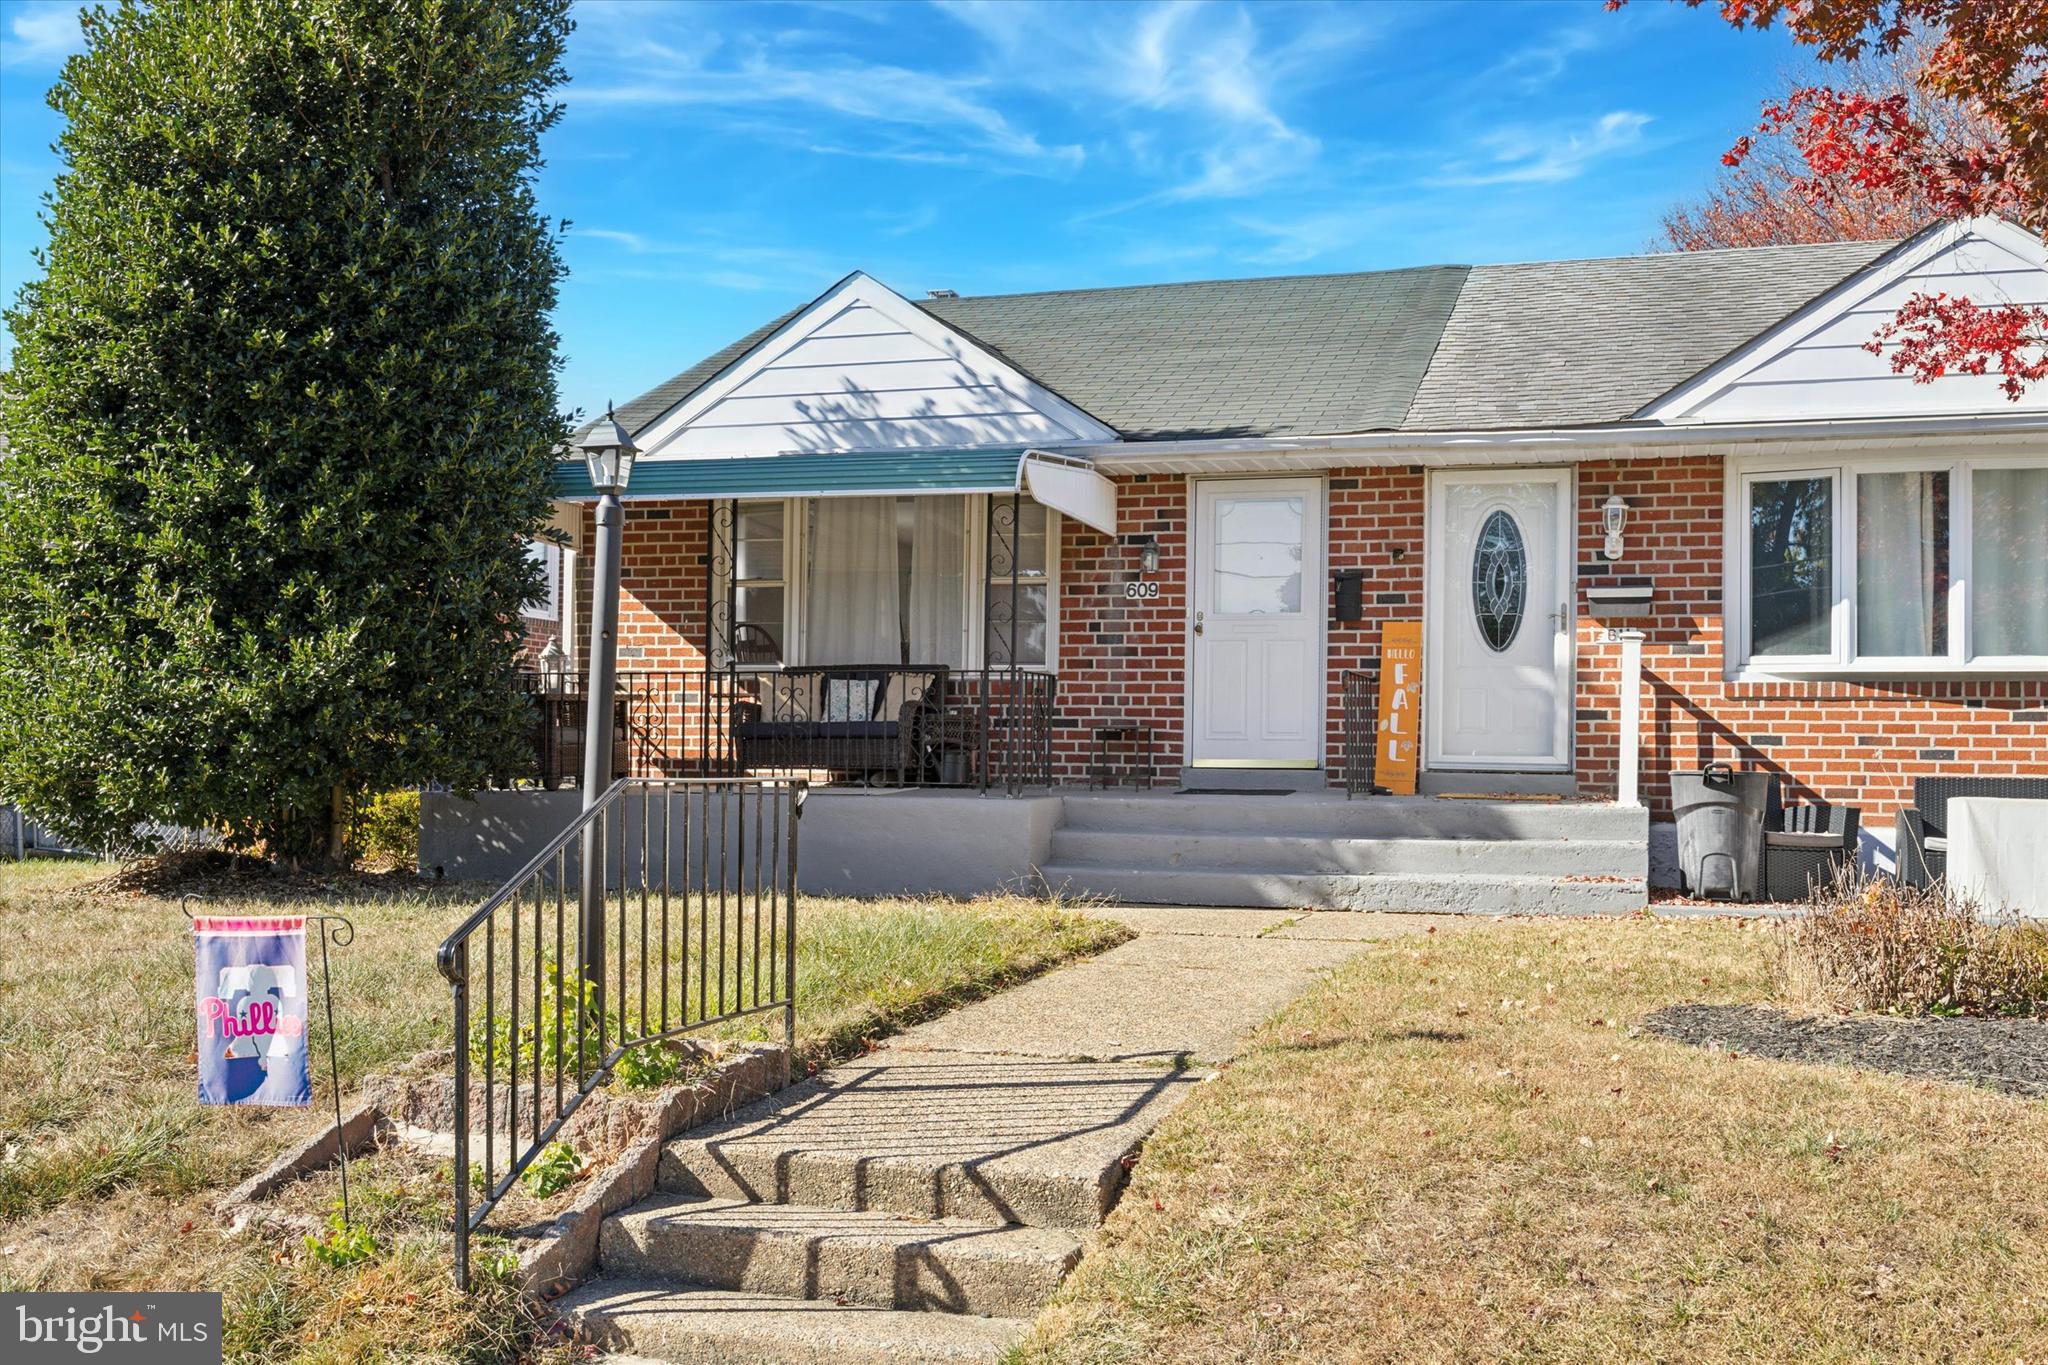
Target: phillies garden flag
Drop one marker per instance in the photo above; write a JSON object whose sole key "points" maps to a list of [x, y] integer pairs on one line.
{"points": [[251, 999]]}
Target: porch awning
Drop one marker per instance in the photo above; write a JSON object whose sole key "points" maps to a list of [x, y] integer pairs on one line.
{"points": [[1065, 483]]}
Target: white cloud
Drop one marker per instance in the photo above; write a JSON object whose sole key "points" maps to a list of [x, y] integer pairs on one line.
{"points": [[1192, 91], [42, 35], [783, 82], [1546, 154], [1535, 66]]}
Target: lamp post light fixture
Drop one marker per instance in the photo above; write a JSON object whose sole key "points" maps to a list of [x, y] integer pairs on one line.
{"points": [[1613, 516], [609, 452]]}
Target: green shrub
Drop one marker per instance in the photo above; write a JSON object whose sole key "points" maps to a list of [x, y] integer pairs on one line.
{"points": [[387, 830]]}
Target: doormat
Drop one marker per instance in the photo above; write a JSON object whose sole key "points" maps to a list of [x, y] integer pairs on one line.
{"points": [[1235, 791], [1499, 796]]}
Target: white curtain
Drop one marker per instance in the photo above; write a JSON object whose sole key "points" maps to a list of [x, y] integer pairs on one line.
{"points": [[1901, 563], [938, 588], [855, 603], [2009, 543]]}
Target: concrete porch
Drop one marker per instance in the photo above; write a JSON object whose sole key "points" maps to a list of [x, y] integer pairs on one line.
{"points": [[1300, 850]]}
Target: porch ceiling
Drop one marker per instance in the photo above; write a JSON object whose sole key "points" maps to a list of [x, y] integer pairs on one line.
{"points": [[1059, 481]]}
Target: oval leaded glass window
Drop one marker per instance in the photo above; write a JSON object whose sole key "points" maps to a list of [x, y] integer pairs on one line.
{"points": [[1500, 580]]}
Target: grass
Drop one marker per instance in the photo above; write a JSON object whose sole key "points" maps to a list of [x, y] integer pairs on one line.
{"points": [[107, 1164], [1458, 1149]]}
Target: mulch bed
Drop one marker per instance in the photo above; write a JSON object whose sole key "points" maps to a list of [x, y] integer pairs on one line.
{"points": [[2003, 1054], [214, 874]]}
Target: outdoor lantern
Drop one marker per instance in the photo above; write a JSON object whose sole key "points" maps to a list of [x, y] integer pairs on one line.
{"points": [[1148, 555], [554, 665], [609, 451], [1613, 516]]}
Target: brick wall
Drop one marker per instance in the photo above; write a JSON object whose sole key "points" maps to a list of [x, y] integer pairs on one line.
{"points": [[662, 604], [1121, 659], [1859, 743], [1125, 660]]}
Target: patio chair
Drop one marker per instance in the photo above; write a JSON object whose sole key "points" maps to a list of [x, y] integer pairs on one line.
{"points": [[1920, 833], [1806, 847]]}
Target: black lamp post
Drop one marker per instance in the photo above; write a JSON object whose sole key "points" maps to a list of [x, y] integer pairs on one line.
{"points": [[609, 451]]}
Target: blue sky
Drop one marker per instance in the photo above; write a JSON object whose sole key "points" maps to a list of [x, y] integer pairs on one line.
{"points": [[722, 163]]}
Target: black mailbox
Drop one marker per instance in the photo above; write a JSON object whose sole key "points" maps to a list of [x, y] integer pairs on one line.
{"points": [[1349, 595]]}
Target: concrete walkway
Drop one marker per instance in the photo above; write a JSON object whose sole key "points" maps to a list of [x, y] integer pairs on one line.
{"points": [[921, 1202], [1184, 992]]}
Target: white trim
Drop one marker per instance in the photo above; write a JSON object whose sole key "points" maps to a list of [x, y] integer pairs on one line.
{"points": [[1071, 487], [1248, 455], [857, 289], [1842, 662], [1894, 266], [1564, 640]]}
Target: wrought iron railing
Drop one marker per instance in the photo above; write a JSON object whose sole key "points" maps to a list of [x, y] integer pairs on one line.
{"points": [[665, 908], [649, 734], [884, 725], [1361, 699]]}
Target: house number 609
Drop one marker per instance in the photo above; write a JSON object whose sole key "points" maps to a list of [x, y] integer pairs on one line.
{"points": [[1138, 591]]}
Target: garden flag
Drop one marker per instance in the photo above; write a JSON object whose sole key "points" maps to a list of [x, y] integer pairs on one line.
{"points": [[251, 1000]]}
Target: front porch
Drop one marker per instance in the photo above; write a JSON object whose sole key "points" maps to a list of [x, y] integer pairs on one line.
{"points": [[1304, 850]]}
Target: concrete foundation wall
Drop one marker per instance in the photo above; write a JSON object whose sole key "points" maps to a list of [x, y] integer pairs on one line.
{"points": [[859, 843], [851, 843]]}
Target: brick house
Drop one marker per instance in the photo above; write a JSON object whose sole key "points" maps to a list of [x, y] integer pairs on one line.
{"points": [[1194, 506]]}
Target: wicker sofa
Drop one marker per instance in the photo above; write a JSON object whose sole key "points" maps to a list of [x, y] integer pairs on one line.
{"points": [[856, 721], [1920, 832]]}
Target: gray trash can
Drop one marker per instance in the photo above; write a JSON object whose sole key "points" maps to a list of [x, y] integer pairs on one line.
{"points": [[1720, 830]]}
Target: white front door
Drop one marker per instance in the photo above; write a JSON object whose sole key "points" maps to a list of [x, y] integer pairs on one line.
{"points": [[1255, 643], [1497, 632]]}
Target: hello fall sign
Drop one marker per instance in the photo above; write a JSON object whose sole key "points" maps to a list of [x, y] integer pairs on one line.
{"points": [[1400, 721]]}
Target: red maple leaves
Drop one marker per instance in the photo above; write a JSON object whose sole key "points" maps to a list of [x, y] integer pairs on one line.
{"points": [[1988, 58]]}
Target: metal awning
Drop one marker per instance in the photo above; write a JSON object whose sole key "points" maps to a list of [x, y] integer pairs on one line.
{"points": [[1065, 483]]}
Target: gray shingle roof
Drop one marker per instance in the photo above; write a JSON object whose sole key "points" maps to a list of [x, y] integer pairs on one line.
{"points": [[1566, 343], [1434, 348], [1269, 357]]}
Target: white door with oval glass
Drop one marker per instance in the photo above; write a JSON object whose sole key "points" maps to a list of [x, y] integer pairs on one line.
{"points": [[1255, 642], [1497, 635]]}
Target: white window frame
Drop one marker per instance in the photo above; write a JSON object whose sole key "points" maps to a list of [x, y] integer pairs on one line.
{"points": [[795, 581], [551, 560], [1841, 660], [791, 534]]}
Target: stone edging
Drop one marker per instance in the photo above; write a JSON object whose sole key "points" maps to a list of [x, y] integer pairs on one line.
{"points": [[626, 1132]]}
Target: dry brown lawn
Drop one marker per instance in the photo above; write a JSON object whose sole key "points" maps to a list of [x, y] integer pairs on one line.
{"points": [[1460, 1149], [108, 1166]]}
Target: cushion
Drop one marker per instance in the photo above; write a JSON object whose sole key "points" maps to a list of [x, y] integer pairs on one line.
{"points": [[1779, 838]]}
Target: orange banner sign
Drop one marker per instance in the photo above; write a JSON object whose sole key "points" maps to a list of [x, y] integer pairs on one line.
{"points": [[1400, 724]]}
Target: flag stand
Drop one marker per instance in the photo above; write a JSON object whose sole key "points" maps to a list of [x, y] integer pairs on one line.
{"points": [[342, 932]]}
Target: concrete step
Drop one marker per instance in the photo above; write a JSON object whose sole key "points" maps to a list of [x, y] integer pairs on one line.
{"points": [[1167, 850], [1321, 815], [693, 1325], [878, 1259], [983, 1139], [1471, 893]]}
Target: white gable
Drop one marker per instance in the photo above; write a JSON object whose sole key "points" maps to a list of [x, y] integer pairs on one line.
{"points": [[865, 369], [1813, 366]]}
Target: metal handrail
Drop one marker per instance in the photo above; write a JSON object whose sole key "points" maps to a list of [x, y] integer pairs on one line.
{"points": [[749, 888]]}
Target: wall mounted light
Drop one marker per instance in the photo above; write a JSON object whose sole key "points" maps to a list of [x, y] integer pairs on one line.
{"points": [[1148, 554], [1613, 516]]}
